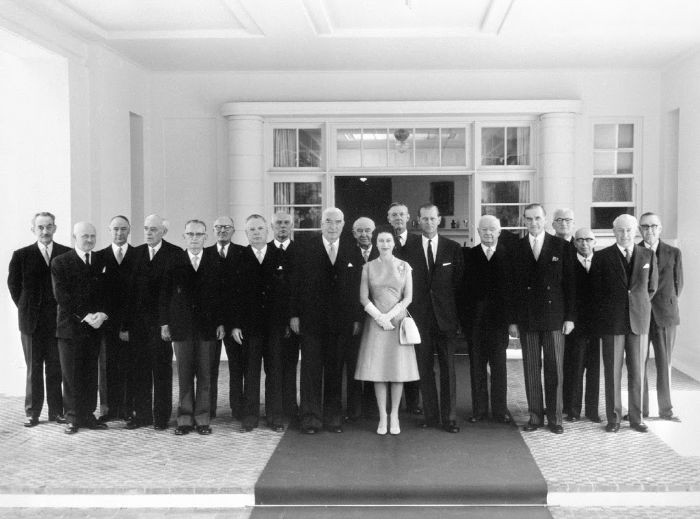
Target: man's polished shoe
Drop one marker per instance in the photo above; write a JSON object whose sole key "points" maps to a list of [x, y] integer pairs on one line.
{"points": [[476, 418], [71, 429], [670, 418], [572, 418], [160, 426], [94, 425], [277, 427], [503, 419], [204, 430], [626, 417], [594, 418], [416, 411], [556, 429], [182, 430], [58, 418], [529, 427], [307, 429], [639, 427], [133, 424], [333, 428], [612, 427], [451, 427], [31, 421]]}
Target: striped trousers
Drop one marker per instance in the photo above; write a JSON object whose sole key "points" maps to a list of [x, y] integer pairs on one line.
{"points": [[550, 346], [627, 349]]}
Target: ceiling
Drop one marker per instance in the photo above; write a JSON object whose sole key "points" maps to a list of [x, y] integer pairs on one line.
{"points": [[199, 35]]}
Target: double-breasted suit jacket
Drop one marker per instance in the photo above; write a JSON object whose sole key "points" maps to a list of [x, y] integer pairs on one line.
{"points": [[665, 317], [79, 289], [325, 299], [623, 295], [29, 283], [434, 308]]}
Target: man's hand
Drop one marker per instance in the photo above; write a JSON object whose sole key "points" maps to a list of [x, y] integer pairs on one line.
{"points": [[513, 330], [568, 327], [294, 325], [165, 332], [237, 335], [220, 332], [356, 328], [124, 336]]}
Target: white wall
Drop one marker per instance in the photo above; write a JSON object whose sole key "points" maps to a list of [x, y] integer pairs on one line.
{"points": [[680, 87]]}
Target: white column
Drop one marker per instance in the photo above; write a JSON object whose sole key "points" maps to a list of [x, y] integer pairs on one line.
{"points": [[556, 160], [246, 162]]}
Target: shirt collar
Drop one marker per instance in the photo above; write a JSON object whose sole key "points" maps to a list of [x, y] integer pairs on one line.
{"points": [[652, 247], [327, 244], [262, 251], [284, 243], [404, 237], [115, 248], [48, 248], [157, 247], [81, 254], [485, 247], [582, 259], [225, 247], [192, 255], [533, 239], [622, 249]]}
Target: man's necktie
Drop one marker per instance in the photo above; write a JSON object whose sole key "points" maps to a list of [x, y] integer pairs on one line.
{"points": [[431, 258], [87, 259], [259, 254], [195, 263], [365, 255], [120, 256], [151, 252], [45, 253], [628, 256], [222, 253], [536, 249], [281, 247], [332, 253], [489, 253], [587, 264]]}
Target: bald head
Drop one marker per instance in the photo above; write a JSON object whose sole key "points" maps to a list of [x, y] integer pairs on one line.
{"points": [[154, 229], [362, 230], [85, 236]]}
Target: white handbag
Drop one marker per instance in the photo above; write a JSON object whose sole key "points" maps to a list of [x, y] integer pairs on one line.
{"points": [[408, 331]]}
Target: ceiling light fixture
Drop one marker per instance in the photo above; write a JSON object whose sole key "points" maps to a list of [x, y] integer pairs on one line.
{"points": [[401, 135]]}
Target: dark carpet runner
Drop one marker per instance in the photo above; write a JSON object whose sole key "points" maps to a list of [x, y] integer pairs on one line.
{"points": [[484, 464]]}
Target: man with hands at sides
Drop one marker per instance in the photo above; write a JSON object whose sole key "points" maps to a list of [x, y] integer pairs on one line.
{"points": [[191, 316], [78, 284]]}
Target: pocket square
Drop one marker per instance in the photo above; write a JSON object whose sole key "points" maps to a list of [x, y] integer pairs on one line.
{"points": [[349, 265], [646, 266], [446, 264], [555, 258], [104, 269], [280, 268]]}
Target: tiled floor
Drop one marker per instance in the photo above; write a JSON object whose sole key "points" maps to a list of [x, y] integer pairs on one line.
{"points": [[585, 461]]}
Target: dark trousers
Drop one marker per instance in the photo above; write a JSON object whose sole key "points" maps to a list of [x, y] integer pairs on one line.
{"points": [[259, 348], [79, 374], [322, 377], [550, 345], [194, 362], [152, 377], [113, 374], [662, 338], [41, 355], [616, 350], [354, 389], [488, 348], [581, 356], [289, 347], [411, 392], [236, 370], [443, 343]]}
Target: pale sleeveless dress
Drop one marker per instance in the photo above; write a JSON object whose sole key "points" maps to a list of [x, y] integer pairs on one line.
{"points": [[381, 357]]}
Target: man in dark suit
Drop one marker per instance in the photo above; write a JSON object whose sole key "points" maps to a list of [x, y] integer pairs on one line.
{"points": [[325, 312], [486, 281], [29, 282], [582, 353], [78, 285], [438, 270], [542, 313], [665, 316], [151, 370], [191, 316], [359, 394], [398, 217], [260, 321], [282, 225], [115, 351], [624, 278], [229, 257], [563, 225]]}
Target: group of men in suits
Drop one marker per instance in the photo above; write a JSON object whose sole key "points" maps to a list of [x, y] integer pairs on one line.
{"points": [[266, 302]]}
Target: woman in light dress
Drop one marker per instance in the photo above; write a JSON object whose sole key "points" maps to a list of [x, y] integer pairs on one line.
{"points": [[385, 292]]}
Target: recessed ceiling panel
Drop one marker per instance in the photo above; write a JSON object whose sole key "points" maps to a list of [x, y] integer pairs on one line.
{"points": [[157, 15]]}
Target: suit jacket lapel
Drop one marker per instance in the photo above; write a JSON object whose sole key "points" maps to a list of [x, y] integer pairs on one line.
{"points": [[620, 266]]}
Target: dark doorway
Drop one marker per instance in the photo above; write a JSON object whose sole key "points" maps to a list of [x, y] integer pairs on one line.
{"points": [[363, 196]]}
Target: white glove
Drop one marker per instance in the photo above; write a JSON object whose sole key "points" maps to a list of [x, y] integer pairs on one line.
{"points": [[395, 311], [381, 319], [372, 310]]}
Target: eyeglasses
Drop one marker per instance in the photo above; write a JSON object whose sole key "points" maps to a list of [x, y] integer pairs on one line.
{"points": [[587, 240], [646, 227], [223, 227], [195, 234], [562, 220]]}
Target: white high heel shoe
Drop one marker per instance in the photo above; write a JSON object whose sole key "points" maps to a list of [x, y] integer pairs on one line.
{"points": [[381, 428], [395, 429]]}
